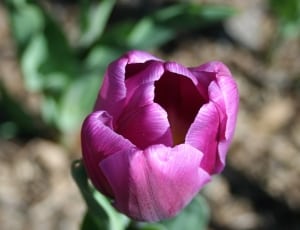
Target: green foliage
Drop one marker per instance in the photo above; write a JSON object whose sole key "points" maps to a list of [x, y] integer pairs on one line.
{"points": [[288, 14], [15, 120], [163, 25], [194, 217], [100, 214], [27, 20], [69, 77], [51, 67], [94, 20]]}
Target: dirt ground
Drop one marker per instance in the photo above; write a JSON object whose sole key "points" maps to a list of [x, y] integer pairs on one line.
{"points": [[260, 187]]}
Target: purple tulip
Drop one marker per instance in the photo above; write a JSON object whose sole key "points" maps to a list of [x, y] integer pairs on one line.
{"points": [[158, 132]]}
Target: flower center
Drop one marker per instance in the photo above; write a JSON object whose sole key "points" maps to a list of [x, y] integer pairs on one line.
{"points": [[180, 98]]}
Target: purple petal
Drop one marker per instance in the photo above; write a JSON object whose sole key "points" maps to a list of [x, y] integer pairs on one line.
{"points": [[214, 67], [140, 87], [203, 135], [146, 126], [142, 121], [179, 69], [231, 99], [138, 56], [99, 141], [216, 95], [157, 183], [112, 94], [222, 90]]}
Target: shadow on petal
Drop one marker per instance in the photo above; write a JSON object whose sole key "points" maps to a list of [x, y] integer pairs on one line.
{"points": [[99, 140]]}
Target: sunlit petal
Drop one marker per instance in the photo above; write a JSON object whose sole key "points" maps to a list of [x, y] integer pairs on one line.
{"points": [[156, 183]]}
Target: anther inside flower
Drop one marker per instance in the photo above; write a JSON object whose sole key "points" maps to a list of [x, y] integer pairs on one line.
{"points": [[158, 132]]}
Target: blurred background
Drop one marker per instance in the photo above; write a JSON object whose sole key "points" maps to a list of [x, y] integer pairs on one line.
{"points": [[52, 58]]}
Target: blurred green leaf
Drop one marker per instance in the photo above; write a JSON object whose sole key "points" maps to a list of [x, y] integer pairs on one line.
{"points": [[146, 35], [162, 25], [95, 211], [77, 101], [14, 119], [190, 15], [60, 57], [100, 215], [44, 50], [150, 226], [146, 226], [27, 21], [48, 63], [194, 217], [8, 130], [32, 58], [288, 10], [90, 222], [288, 14], [212, 13], [69, 80], [95, 18], [98, 59], [116, 35], [117, 221]]}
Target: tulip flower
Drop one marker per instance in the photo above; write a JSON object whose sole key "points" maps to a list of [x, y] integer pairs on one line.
{"points": [[158, 132]]}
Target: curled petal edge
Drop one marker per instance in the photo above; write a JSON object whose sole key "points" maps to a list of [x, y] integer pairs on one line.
{"points": [[98, 142]]}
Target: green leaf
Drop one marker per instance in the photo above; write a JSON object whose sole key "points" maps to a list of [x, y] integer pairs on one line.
{"points": [[43, 69], [16, 120], [47, 61], [77, 102], [60, 57], [8, 130], [90, 222], [27, 21], [162, 25], [95, 211], [78, 99], [146, 35], [212, 13], [146, 226], [189, 15], [33, 57], [99, 57], [50, 110], [95, 19], [288, 15], [100, 215], [116, 35], [287, 10], [194, 217], [117, 221]]}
